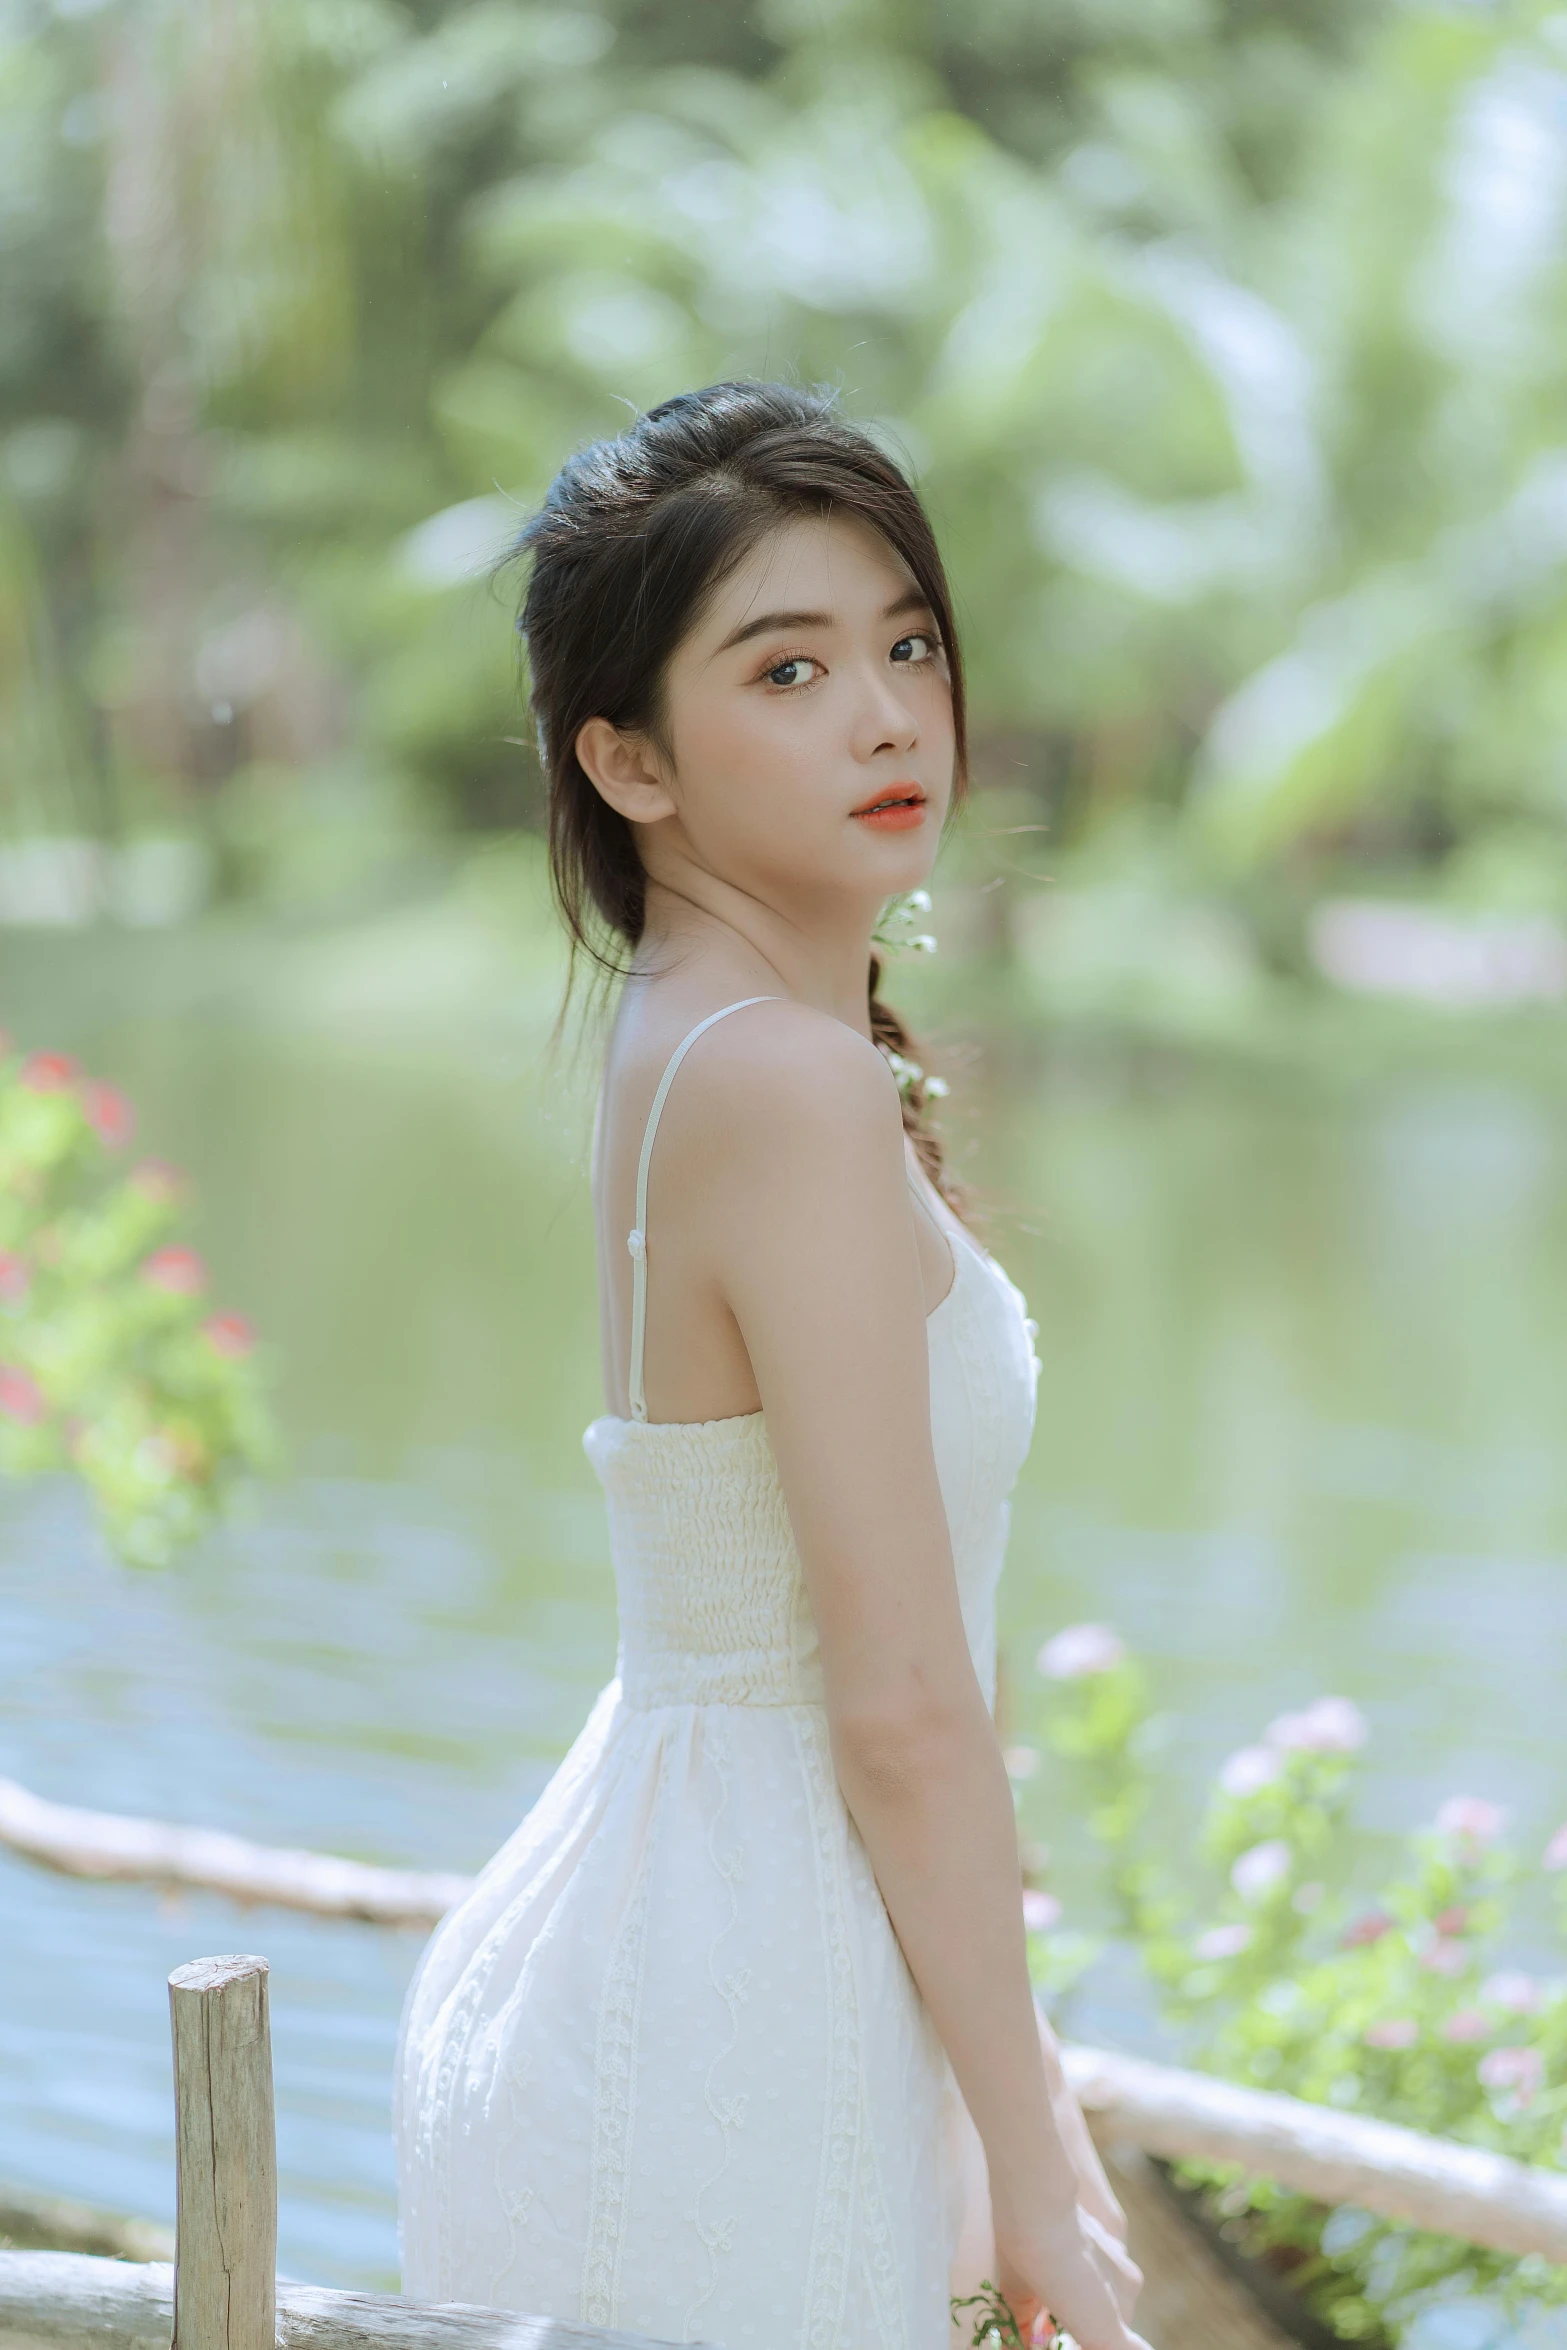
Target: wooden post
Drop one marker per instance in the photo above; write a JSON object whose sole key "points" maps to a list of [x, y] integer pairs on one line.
{"points": [[225, 2260]]}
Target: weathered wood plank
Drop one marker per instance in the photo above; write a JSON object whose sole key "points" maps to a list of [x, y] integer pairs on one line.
{"points": [[1317, 2150], [69, 2301], [312, 2319], [110, 1845], [1188, 2301], [80, 2301], [225, 2258]]}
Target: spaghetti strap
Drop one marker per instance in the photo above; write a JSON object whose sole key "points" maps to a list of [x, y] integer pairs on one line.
{"points": [[636, 1238]]}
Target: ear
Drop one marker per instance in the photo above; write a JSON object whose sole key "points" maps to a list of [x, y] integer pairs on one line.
{"points": [[623, 770]]}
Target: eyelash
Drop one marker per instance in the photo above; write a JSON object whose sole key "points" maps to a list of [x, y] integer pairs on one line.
{"points": [[793, 660]]}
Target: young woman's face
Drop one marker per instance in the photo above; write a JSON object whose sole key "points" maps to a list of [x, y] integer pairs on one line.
{"points": [[808, 720]]}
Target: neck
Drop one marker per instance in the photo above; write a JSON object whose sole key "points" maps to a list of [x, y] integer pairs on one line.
{"points": [[815, 952]]}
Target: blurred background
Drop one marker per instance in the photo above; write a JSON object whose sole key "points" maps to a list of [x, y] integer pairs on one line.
{"points": [[1226, 338]]}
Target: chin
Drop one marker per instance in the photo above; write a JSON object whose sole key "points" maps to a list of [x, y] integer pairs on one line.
{"points": [[904, 862]]}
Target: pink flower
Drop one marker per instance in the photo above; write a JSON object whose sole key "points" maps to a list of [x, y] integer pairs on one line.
{"points": [[108, 1113], [1513, 1989], [177, 1269], [1041, 1911], [1369, 1928], [1080, 1652], [1258, 1870], [48, 1072], [1222, 1942], [232, 1336], [156, 1180], [1329, 1725], [15, 1279], [1443, 1956], [1399, 2031], [1470, 1820], [1467, 2024], [21, 1399], [1452, 1921], [1555, 1853], [1517, 2071], [1248, 1771]]}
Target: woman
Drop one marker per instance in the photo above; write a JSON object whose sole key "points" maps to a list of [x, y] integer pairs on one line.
{"points": [[727, 2040]]}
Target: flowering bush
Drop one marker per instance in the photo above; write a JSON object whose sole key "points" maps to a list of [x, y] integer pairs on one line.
{"points": [[111, 1361], [1400, 2007]]}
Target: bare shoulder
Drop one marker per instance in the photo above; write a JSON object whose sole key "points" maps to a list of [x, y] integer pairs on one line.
{"points": [[785, 1079]]}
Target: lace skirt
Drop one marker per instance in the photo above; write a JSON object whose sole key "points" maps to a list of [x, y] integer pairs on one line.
{"points": [[665, 2069]]}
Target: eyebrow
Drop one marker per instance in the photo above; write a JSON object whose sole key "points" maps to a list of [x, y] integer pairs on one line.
{"points": [[913, 599]]}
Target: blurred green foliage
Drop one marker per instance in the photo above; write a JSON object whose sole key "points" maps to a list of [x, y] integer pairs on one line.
{"points": [[1225, 336], [112, 1363], [1272, 1969]]}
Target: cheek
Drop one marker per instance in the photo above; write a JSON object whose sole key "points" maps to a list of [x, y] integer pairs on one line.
{"points": [[931, 701], [743, 763]]}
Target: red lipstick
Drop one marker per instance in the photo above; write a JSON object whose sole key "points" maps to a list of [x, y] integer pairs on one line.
{"points": [[897, 807]]}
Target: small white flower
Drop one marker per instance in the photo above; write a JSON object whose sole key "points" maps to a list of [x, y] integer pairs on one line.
{"points": [[1471, 1820], [1517, 1992], [1041, 1911], [1515, 2072], [1081, 1651], [1329, 1725], [1021, 1761], [1222, 1942], [1260, 1869], [1248, 1771]]}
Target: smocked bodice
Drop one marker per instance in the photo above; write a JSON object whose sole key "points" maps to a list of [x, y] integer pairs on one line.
{"points": [[712, 1599]]}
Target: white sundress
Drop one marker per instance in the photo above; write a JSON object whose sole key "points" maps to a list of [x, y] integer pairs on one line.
{"points": [[665, 2068]]}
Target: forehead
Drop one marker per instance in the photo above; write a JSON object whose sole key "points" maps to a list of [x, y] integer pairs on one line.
{"points": [[828, 563]]}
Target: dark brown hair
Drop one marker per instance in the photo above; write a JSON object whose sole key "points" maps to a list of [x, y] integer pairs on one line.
{"points": [[633, 537]]}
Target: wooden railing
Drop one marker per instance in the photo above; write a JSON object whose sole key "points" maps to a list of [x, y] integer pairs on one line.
{"points": [[1316, 2150], [106, 1844], [222, 2291]]}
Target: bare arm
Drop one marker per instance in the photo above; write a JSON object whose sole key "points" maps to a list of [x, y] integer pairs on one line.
{"points": [[812, 1229]]}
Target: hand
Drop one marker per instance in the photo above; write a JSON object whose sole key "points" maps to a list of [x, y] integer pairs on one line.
{"points": [[1076, 2271]]}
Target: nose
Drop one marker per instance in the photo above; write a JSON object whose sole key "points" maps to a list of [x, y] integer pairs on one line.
{"points": [[883, 719]]}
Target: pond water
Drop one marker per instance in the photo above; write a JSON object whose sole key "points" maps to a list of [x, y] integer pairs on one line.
{"points": [[1300, 1430]]}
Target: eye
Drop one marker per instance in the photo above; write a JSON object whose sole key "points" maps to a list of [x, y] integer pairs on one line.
{"points": [[791, 672], [917, 646]]}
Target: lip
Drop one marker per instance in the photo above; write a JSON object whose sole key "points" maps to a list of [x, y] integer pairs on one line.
{"points": [[897, 807]]}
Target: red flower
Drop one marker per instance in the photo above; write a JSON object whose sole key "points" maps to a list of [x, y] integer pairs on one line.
{"points": [[20, 1399], [48, 1072], [1370, 1928], [177, 1269], [231, 1335], [109, 1114], [15, 1279], [156, 1180]]}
